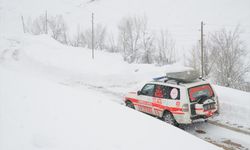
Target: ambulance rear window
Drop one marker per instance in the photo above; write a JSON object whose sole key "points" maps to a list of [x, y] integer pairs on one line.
{"points": [[201, 90]]}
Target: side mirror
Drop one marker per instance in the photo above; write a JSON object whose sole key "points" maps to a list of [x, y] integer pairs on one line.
{"points": [[138, 92]]}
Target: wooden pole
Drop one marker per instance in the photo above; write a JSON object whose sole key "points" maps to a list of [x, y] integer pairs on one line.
{"points": [[93, 56], [46, 22], [24, 31], [202, 51]]}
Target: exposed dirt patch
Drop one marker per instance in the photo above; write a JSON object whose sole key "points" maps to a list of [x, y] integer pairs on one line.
{"points": [[240, 126], [200, 131]]}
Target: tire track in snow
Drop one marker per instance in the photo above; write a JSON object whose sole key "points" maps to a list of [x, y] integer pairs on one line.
{"points": [[229, 127], [121, 95], [101, 89]]}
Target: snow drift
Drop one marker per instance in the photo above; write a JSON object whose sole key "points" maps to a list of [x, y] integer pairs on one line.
{"points": [[38, 114]]}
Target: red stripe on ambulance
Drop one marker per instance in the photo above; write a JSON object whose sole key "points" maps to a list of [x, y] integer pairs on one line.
{"points": [[142, 107]]}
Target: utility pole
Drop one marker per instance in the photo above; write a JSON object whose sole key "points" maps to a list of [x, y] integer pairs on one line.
{"points": [[202, 51], [24, 31], [46, 22], [93, 36]]}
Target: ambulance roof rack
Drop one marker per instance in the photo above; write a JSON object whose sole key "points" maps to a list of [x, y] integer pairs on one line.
{"points": [[165, 79], [179, 77]]}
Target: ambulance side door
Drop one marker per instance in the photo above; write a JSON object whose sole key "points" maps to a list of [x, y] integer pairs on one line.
{"points": [[145, 98], [158, 100]]}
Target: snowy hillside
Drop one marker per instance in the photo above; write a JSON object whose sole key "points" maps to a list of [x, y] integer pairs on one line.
{"points": [[39, 112], [50, 92], [75, 67], [181, 18], [36, 114], [54, 96]]}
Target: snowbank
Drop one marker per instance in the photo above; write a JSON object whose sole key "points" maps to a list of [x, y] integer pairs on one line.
{"points": [[45, 57], [38, 114], [234, 106]]}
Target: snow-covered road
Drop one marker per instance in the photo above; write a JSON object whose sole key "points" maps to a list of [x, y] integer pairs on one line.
{"points": [[220, 136]]}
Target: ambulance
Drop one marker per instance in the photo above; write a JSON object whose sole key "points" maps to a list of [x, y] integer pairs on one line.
{"points": [[177, 98]]}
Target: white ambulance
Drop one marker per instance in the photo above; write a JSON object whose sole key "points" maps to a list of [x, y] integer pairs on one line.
{"points": [[178, 98]]}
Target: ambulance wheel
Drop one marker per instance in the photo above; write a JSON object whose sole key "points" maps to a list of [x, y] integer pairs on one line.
{"points": [[130, 105], [169, 118]]}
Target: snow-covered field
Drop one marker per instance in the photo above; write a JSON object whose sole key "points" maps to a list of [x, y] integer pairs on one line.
{"points": [[39, 111], [53, 97], [235, 109], [56, 97]]}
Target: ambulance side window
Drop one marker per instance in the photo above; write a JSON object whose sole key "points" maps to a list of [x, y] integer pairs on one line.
{"points": [[174, 93], [148, 90], [159, 92], [171, 93]]}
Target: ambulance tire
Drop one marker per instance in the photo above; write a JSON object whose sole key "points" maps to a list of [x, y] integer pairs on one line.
{"points": [[130, 105], [169, 118]]}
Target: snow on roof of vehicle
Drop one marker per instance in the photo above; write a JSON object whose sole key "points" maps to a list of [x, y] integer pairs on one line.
{"points": [[183, 76], [187, 76]]}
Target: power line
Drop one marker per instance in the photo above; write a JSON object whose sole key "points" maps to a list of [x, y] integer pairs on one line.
{"points": [[229, 25]]}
